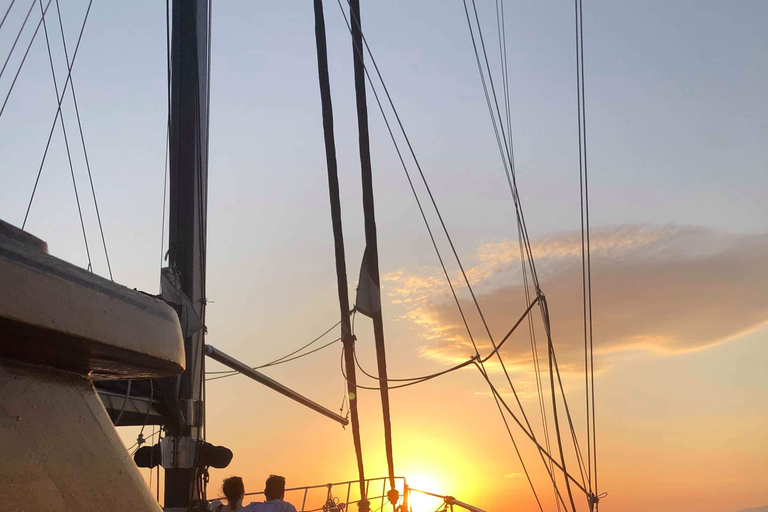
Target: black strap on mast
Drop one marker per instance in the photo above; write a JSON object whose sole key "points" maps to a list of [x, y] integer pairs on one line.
{"points": [[371, 246], [338, 238]]}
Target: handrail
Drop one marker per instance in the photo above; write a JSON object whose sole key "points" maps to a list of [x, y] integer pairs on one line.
{"points": [[334, 484], [343, 506], [340, 506], [449, 500]]}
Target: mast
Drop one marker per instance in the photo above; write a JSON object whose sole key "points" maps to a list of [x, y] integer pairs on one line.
{"points": [[188, 139]]}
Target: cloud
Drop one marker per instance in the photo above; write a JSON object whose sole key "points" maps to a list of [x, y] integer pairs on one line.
{"points": [[513, 475], [663, 289]]}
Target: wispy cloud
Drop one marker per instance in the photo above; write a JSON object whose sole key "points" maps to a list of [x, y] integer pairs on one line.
{"points": [[665, 289]]}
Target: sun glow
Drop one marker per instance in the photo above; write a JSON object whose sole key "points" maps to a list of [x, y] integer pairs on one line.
{"points": [[422, 502]]}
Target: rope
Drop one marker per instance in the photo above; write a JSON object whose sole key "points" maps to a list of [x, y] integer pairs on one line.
{"points": [[496, 348], [338, 239], [414, 380], [230, 374], [371, 244], [417, 380], [283, 358]]}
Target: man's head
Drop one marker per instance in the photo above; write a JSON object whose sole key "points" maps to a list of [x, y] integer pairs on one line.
{"points": [[275, 488]]}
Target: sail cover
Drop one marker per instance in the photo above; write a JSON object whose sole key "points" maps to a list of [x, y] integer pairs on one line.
{"points": [[368, 299]]}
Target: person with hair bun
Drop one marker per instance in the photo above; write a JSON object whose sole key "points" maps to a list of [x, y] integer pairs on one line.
{"points": [[234, 490]]}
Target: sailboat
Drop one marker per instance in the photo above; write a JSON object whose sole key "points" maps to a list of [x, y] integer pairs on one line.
{"points": [[81, 355]]}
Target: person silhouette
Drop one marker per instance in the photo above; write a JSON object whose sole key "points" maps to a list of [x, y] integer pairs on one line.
{"points": [[274, 492], [234, 490]]}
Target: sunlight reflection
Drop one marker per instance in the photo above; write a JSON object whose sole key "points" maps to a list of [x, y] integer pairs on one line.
{"points": [[421, 502]]}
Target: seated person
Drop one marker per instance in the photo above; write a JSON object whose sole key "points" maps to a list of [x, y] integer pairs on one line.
{"points": [[234, 490], [274, 491]]}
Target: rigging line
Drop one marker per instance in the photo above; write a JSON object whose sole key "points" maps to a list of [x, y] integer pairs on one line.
{"points": [[149, 405], [426, 222], [550, 351], [577, 448], [134, 445], [541, 449], [521, 221], [15, 41], [583, 251], [423, 379], [6, 13], [165, 195], [429, 191], [413, 154], [507, 158], [410, 182], [549, 469], [514, 327], [583, 133], [166, 161], [502, 31], [58, 110], [230, 374], [24, 58], [520, 456], [66, 140], [272, 363], [369, 215], [505, 149], [507, 102], [589, 258], [82, 140], [201, 169], [413, 190], [437, 211], [503, 56], [535, 358], [347, 323], [125, 402]]}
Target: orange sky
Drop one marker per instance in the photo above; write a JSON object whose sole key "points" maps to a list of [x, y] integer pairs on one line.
{"points": [[680, 403]]}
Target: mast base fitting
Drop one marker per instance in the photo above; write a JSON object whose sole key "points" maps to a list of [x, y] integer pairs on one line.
{"points": [[393, 496], [178, 452], [363, 506]]}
